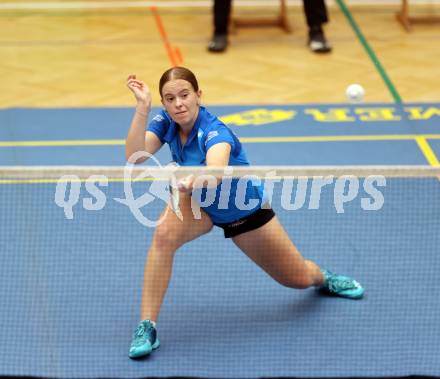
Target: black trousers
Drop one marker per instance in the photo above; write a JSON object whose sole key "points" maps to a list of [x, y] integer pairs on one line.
{"points": [[314, 10]]}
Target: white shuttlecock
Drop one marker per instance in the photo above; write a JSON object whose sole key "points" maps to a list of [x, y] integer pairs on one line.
{"points": [[355, 93]]}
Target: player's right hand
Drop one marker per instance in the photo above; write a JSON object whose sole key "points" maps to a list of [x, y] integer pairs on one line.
{"points": [[140, 90], [185, 185]]}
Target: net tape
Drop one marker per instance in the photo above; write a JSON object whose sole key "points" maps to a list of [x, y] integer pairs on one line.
{"points": [[144, 172]]}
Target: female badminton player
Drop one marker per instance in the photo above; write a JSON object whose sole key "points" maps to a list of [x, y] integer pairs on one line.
{"points": [[197, 137]]}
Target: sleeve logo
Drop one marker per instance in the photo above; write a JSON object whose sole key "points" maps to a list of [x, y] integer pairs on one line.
{"points": [[158, 118], [211, 135]]}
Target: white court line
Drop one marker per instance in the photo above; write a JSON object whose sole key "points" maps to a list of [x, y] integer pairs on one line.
{"points": [[176, 4]]}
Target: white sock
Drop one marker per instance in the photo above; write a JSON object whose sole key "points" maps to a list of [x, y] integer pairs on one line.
{"points": [[152, 322]]}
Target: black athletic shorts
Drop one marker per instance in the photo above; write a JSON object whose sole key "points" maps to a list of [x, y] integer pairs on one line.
{"points": [[251, 222]]}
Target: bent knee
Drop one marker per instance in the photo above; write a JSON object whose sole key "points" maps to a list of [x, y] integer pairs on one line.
{"points": [[167, 239]]}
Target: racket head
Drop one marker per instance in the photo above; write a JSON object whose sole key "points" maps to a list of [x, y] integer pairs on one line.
{"points": [[174, 196]]}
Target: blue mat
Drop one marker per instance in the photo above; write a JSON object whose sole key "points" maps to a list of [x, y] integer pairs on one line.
{"points": [[70, 292], [248, 122], [70, 289]]}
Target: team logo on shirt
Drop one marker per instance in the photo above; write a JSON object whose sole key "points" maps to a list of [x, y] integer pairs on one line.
{"points": [[211, 135], [158, 118]]}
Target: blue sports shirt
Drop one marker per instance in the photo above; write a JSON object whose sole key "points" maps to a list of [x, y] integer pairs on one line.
{"points": [[244, 196]]}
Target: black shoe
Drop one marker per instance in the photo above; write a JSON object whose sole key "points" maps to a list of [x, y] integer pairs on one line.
{"points": [[218, 43], [318, 43]]}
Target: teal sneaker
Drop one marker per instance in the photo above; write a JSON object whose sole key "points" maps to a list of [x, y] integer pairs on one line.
{"points": [[144, 340], [341, 286]]}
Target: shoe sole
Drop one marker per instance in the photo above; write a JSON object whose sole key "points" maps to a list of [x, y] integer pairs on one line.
{"points": [[344, 296], [326, 51], [156, 344], [154, 347]]}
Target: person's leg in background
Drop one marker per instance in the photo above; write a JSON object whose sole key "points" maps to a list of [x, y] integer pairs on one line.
{"points": [[221, 14], [316, 15]]}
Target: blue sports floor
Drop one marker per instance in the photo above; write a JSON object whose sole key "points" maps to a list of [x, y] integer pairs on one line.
{"points": [[70, 288]]}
